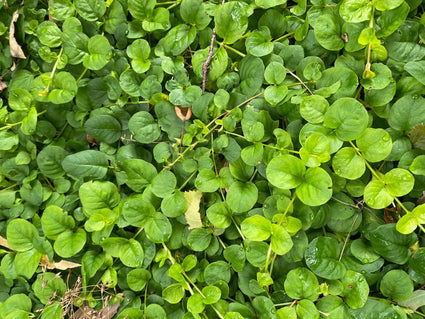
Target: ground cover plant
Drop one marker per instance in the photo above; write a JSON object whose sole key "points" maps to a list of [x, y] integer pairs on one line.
{"points": [[217, 159]]}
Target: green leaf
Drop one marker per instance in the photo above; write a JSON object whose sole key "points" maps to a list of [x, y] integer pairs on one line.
{"points": [[313, 108], [384, 5], [220, 215], [231, 21], [285, 171], [218, 64], [348, 117], [381, 80], [142, 125], [174, 205], [50, 159], [26, 262], [158, 228], [376, 195], [136, 210], [275, 94], [418, 165], [307, 309], [301, 283], [275, 73], [327, 31], [21, 235], [355, 10], [356, 289], [241, 197], [173, 293], [195, 304], [199, 239], [315, 150], [375, 144], [322, 257], [70, 243], [99, 52], [316, 189], [193, 12], [141, 9], [138, 278], [132, 254], [88, 163], [399, 182], [139, 52], [362, 250], [390, 20], [406, 112], [29, 123], [212, 294], [97, 196], [49, 34], [8, 140], [265, 4], [104, 128], [47, 285], [91, 10], [178, 39], [416, 69], [347, 164], [185, 96], [259, 42], [55, 221], [139, 173], [397, 285], [164, 184], [256, 228], [392, 245]]}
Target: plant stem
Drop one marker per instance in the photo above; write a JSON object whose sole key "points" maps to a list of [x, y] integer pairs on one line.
{"points": [[284, 36], [376, 174], [8, 126], [228, 47]]}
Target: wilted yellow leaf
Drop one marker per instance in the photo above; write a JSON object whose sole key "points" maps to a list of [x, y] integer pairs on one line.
{"points": [[192, 215]]}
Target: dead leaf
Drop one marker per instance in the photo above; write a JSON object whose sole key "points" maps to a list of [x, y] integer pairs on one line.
{"points": [[3, 86], [64, 264], [86, 312], [192, 215], [109, 311], [179, 112], [15, 48], [417, 136], [3, 242], [61, 265]]}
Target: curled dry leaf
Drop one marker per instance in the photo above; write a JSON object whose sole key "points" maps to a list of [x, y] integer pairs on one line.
{"points": [[3, 242], [15, 49], [61, 265], [192, 215], [86, 312], [180, 115]]}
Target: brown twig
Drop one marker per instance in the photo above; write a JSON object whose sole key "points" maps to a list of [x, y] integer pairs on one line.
{"points": [[207, 62], [301, 81]]}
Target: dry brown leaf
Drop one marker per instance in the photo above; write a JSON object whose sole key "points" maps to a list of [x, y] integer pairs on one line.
{"points": [[64, 264], [3, 86], [180, 115], [86, 312], [192, 215], [15, 48], [61, 265], [3, 242], [109, 311]]}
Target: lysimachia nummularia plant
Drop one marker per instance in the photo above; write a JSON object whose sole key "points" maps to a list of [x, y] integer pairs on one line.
{"points": [[212, 159]]}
